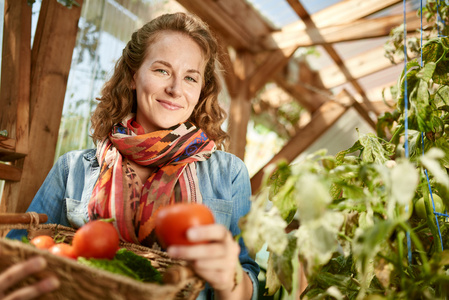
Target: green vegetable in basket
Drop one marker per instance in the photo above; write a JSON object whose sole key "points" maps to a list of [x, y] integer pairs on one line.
{"points": [[140, 265], [111, 265]]}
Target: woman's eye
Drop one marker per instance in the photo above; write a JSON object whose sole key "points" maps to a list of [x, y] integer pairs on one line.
{"points": [[191, 79], [162, 71]]}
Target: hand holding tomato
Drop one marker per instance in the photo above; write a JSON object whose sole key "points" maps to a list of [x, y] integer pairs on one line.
{"points": [[215, 257]]}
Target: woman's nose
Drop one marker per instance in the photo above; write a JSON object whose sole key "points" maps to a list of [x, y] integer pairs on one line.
{"points": [[174, 88]]}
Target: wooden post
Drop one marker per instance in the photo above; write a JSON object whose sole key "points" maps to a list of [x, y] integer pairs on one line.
{"points": [[15, 94]]}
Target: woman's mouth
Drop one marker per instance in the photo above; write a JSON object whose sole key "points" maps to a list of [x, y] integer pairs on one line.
{"points": [[169, 105]]}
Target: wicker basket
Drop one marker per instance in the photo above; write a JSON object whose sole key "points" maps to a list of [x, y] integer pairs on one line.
{"points": [[80, 282]]}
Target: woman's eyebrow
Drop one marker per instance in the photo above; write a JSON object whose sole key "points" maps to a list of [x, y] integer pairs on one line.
{"points": [[166, 63]]}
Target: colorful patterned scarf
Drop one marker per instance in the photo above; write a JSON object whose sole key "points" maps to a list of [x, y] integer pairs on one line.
{"points": [[118, 192]]}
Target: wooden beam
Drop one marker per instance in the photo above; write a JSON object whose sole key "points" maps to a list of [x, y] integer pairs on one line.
{"points": [[10, 172], [15, 82], [361, 65], [318, 38], [265, 71], [235, 20], [357, 30], [342, 12], [321, 121], [307, 89], [51, 58]]}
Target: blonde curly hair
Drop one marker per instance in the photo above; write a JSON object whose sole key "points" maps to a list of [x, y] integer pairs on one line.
{"points": [[118, 98]]}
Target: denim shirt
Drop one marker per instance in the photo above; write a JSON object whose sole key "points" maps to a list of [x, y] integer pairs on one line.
{"points": [[223, 181]]}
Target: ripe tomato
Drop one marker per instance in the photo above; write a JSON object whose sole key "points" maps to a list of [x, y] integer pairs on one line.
{"points": [[42, 241], [64, 250], [421, 210], [96, 239], [173, 221]]}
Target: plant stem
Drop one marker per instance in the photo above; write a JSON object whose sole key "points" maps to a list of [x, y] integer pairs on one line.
{"points": [[418, 245]]}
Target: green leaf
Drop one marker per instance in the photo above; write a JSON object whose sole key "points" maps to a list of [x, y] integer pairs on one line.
{"points": [[442, 96], [263, 224], [283, 267], [426, 72], [373, 149], [113, 266], [430, 162], [139, 265], [317, 239]]}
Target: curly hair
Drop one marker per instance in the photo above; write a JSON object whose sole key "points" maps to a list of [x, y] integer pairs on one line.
{"points": [[118, 98]]}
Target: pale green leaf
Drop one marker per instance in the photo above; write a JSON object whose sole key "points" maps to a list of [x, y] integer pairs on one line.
{"points": [[313, 197], [263, 224], [317, 239], [431, 163], [404, 181]]}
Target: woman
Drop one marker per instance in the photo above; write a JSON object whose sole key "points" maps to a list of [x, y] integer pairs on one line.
{"points": [[157, 127]]}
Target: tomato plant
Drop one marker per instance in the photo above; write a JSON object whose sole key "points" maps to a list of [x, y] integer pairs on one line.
{"points": [[42, 241], [96, 239], [64, 250], [173, 221], [421, 210]]}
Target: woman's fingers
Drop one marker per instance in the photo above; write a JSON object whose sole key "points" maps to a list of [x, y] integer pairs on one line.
{"points": [[33, 291], [208, 233], [20, 271], [215, 260]]}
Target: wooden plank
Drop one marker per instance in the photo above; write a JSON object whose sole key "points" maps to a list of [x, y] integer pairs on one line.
{"points": [[9, 172], [323, 119], [301, 94], [265, 71], [357, 30], [51, 58], [15, 82], [7, 150], [342, 12], [308, 88], [222, 23], [361, 65]]}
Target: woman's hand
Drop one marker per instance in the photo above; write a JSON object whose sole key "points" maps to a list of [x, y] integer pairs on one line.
{"points": [[215, 261], [20, 271]]}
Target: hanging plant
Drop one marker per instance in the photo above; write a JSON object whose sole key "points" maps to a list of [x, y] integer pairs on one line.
{"points": [[367, 224]]}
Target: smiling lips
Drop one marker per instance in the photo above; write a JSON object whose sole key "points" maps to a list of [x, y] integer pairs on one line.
{"points": [[169, 105]]}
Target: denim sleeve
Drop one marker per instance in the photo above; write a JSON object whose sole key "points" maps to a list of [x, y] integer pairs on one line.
{"points": [[241, 195], [49, 199]]}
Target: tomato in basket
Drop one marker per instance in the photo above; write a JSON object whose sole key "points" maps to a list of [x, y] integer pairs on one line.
{"points": [[42, 241], [173, 221], [64, 250], [96, 239]]}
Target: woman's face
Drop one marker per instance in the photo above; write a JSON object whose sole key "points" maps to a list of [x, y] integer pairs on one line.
{"points": [[169, 81]]}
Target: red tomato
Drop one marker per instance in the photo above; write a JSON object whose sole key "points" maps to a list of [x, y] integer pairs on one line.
{"points": [[96, 239], [64, 250], [42, 241], [173, 221]]}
